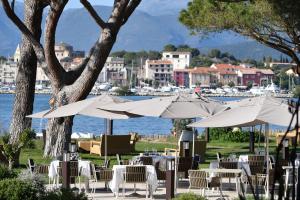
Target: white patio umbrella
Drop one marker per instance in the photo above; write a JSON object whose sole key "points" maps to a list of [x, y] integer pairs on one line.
{"points": [[251, 112], [88, 107], [172, 107]]}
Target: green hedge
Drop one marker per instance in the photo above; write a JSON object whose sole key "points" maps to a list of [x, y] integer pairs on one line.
{"points": [[6, 173], [226, 134], [14, 189]]}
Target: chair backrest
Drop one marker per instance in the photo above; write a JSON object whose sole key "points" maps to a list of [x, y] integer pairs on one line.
{"points": [[105, 175], [41, 169], [256, 158], [256, 167], [146, 160], [197, 179], [228, 165], [135, 174], [74, 168]]}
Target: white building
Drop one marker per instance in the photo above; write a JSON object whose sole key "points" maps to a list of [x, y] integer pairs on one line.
{"points": [[8, 71], [159, 70], [113, 70], [180, 60]]}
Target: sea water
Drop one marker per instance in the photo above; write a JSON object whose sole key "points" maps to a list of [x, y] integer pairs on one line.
{"points": [[142, 125]]}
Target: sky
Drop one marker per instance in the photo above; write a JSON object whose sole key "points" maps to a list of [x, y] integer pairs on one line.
{"points": [[77, 4]]}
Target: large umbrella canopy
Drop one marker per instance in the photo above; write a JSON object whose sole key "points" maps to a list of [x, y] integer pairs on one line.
{"points": [[250, 112], [87, 107], [172, 107]]}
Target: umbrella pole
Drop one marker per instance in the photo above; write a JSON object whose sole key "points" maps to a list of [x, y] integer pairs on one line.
{"points": [[267, 157], [193, 151]]}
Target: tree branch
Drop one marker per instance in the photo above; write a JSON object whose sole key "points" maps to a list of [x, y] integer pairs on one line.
{"points": [[93, 13], [38, 48], [55, 68], [130, 9]]}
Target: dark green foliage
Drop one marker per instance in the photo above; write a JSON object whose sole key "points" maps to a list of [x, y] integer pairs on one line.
{"points": [[14, 189], [226, 134], [189, 196], [65, 194], [181, 124], [124, 91], [296, 91], [6, 173]]}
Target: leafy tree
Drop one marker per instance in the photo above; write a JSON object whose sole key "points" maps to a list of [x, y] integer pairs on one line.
{"points": [[214, 53], [170, 47], [231, 84], [11, 150], [154, 55], [119, 54], [273, 23]]}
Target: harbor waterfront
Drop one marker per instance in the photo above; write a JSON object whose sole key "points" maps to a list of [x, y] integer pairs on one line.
{"points": [[143, 125]]}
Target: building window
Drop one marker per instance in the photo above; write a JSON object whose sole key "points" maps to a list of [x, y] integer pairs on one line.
{"points": [[175, 56], [156, 70], [162, 70], [168, 56]]}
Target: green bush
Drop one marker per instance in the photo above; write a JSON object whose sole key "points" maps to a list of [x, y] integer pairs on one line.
{"points": [[65, 194], [226, 134], [189, 196], [15, 189], [6, 173]]}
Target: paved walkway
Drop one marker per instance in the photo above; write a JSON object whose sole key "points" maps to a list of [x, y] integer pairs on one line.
{"points": [[160, 193]]}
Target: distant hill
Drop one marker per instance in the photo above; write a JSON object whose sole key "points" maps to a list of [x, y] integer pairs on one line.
{"points": [[150, 28]]}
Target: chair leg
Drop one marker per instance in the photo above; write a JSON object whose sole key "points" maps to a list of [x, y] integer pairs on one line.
{"points": [[123, 191], [134, 185]]}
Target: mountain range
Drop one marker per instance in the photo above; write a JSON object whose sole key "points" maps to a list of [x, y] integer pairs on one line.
{"points": [[151, 27]]}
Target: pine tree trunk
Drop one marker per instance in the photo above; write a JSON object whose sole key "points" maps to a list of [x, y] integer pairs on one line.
{"points": [[26, 77], [57, 136]]}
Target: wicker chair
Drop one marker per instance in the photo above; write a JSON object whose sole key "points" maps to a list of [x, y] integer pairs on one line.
{"points": [[184, 165], [146, 160], [74, 172], [43, 170], [198, 180], [135, 174], [228, 165], [101, 175]]}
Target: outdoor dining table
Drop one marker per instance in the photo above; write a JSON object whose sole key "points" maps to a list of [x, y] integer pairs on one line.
{"points": [[118, 179], [237, 173]]}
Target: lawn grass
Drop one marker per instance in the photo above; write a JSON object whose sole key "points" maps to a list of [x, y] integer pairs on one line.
{"points": [[225, 148]]}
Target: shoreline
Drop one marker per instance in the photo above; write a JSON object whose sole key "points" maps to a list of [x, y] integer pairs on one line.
{"points": [[168, 94]]}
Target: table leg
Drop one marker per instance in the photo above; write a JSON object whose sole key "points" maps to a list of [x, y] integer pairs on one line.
{"points": [[86, 184], [287, 174]]}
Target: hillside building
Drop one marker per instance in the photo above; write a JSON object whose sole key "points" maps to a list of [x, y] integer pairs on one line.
{"points": [[159, 70], [179, 60], [114, 71]]}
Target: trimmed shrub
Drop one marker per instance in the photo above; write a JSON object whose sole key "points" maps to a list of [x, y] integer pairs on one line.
{"points": [[14, 189], [226, 134], [65, 194], [6, 173], [189, 196]]}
